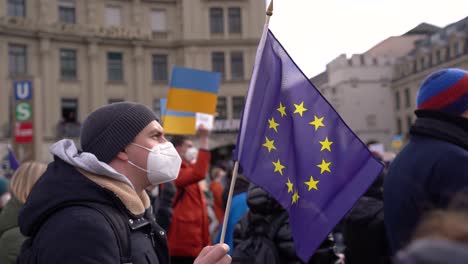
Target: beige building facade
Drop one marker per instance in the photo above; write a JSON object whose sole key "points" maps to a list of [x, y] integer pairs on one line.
{"points": [[446, 48], [359, 87], [82, 54]]}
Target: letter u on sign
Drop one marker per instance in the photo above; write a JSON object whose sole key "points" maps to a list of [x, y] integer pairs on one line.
{"points": [[23, 90]]}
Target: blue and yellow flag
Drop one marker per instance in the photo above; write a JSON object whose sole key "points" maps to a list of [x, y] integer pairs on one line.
{"points": [[293, 144], [179, 123], [192, 90]]}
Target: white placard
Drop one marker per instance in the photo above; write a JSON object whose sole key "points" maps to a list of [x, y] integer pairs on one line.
{"points": [[204, 119], [379, 148]]}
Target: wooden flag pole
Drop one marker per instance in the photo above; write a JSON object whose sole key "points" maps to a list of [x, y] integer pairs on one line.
{"points": [[228, 204], [269, 13]]}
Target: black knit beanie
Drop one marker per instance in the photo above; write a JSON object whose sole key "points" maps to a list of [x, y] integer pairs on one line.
{"points": [[109, 129]]}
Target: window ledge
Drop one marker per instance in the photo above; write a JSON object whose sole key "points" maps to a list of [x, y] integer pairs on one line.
{"points": [[64, 80], [24, 76], [160, 34], [217, 34], [160, 82], [116, 82]]}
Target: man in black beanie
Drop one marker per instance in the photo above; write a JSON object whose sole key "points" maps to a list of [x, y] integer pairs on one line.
{"points": [[90, 206]]}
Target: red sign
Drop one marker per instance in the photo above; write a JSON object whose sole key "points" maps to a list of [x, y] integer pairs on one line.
{"points": [[23, 132]]}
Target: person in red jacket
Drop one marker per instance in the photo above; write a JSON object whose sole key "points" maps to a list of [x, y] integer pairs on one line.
{"points": [[188, 232], [217, 189]]}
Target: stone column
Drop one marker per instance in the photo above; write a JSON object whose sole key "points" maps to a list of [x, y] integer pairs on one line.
{"points": [[138, 86], [51, 112], [95, 85]]}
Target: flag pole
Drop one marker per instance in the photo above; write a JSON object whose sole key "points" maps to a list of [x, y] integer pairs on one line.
{"points": [[269, 13]]}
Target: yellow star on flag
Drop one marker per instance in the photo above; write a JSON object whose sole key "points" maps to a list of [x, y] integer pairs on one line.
{"points": [[318, 122], [282, 109], [326, 144], [269, 144], [325, 166], [273, 124], [299, 108], [278, 167], [290, 186], [295, 197], [312, 183]]}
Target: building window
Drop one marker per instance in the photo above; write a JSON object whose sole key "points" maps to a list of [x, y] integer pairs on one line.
{"points": [[237, 106], [458, 49], [426, 61], [160, 68], [67, 12], [69, 110], [69, 126], [158, 21], [437, 57], [221, 108], [113, 16], [409, 122], [216, 20], [407, 98], [237, 66], [371, 120], [399, 128], [68, 64], [235, 23], [157, 107], [217, 62], [114, 66], [17, 59], [397, 101], [16, 8]]}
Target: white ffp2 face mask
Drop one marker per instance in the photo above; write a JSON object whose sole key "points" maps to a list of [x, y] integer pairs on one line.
{"points": [[191, 154], [163, 163]]}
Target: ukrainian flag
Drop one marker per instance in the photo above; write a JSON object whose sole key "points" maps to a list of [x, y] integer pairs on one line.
{"points": [[179, 123], [192, 90]]}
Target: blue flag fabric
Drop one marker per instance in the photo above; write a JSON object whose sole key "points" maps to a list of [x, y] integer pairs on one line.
{"points": [[293, 144], [12, 162]]}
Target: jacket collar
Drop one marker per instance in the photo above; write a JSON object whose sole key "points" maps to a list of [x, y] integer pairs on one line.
{"points": [[136, 203], [442, 126]]}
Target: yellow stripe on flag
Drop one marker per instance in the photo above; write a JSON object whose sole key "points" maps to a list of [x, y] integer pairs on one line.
{"points": [[179, 125], [191, 101]]}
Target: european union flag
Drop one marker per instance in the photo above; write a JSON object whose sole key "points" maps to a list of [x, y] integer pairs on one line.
{"points": [[12, 162], [294, 144]]}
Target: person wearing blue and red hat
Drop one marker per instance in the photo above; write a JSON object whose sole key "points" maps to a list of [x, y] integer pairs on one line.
{"points": [[433, 166]]}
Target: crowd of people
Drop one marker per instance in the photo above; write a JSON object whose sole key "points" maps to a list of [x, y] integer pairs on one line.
{"points": [[131, 195]]}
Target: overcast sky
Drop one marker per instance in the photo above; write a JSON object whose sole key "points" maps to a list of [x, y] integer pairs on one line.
{"points": [[315, 32]]}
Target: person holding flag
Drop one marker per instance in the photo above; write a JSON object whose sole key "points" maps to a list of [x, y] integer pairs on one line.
{"points": [[91, 206]]}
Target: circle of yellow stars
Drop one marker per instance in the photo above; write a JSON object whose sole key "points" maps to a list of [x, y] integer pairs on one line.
{"points": [[269, 144]]}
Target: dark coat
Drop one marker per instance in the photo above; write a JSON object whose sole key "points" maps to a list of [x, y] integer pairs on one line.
{"points": [[261, 207], [11, 238], [78, 234], [426, 174], [364, 232]]}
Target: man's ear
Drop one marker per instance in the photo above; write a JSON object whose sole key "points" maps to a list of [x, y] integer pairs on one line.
{"points": [[122, 155]]}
